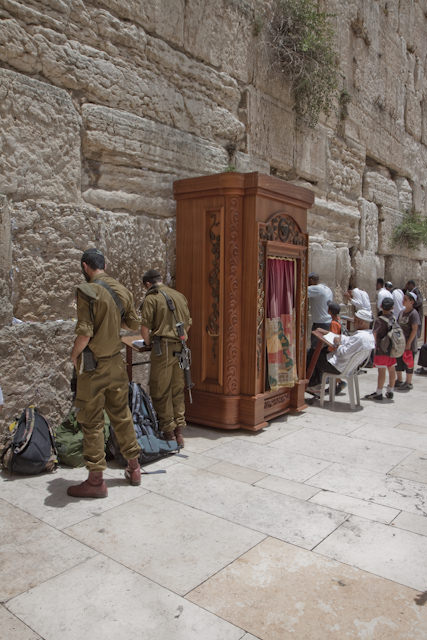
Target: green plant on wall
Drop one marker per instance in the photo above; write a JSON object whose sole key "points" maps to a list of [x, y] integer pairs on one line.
{"points": [[301, 42], [412, 231]]}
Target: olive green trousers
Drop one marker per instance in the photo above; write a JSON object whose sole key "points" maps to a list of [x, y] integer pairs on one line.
{"points": [[167, 387], [105, 388]]}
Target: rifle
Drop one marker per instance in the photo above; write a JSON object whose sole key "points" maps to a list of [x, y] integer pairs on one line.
{"points": [[184, 356]]}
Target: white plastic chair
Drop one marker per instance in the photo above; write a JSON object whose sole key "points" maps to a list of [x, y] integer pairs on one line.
{"points": [[349, 374]]}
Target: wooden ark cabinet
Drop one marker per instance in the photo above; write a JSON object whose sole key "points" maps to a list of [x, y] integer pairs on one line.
{"points": [[233, 231]]}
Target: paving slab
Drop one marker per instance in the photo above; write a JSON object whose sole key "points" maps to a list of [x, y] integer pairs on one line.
{"points": [[397, 437], [385, 551], [168, 542], [31, 551], [269, 459], [355, 506], [278, 591], [288, 487], [13, 629], [45, 496], [417, 428], [102, 599], [390, 491], [236, 472], [414, 467], [297, 521], [341, 449], [411, 522], [200, 439]]}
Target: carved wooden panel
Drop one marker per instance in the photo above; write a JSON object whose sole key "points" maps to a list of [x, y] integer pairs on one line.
{"points": [[212, 352], [233, 263]]}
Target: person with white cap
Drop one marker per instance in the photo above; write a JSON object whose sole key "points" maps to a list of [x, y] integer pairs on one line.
{"points": [[346, 347]]}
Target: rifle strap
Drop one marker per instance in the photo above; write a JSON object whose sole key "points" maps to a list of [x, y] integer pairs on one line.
{"points": [[114, 295]]}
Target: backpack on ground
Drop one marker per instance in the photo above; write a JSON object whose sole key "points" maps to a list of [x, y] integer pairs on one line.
{"points": [[393, 343], [146, 430], [69, 440], [31, 448]]}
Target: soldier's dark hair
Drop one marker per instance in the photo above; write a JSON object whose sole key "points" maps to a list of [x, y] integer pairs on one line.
{"points": [[152, 276], [380, 281], [94, 258], [387, 304], [411, 282], [333, 308]]}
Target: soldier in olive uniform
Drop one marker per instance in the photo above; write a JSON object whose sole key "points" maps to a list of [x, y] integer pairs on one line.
{"points": [[103, 306], [166, 377]]}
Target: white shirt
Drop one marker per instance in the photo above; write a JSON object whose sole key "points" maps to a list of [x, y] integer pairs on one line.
{"points": [[397, 295], [320, 295], [359, 341], [360, 299], [382, 293]]}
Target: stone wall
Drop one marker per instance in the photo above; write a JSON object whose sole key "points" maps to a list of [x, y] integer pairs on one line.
{"points": [[104, 103]]}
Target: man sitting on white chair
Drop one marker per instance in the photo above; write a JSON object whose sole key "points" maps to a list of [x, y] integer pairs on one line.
{"points": [[346, 347]]}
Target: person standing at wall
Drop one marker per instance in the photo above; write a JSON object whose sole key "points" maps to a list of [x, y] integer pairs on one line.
{"points": [[159, 329], [410, 287], [103, 307], [358, 298], [382, 293], [409, 320], [382, 360], [319, 296], [397, 295]]}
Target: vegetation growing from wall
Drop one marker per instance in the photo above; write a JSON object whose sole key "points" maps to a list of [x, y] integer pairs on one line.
{"points": [[301, 41], [412, 231]]}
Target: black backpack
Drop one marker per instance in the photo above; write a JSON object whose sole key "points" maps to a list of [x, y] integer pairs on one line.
{"points": [[32, 447], [146, 430]]}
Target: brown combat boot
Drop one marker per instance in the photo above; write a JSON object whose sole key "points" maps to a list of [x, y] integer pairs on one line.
{"points": [[179, 437], [93, 487], [133, 472]]}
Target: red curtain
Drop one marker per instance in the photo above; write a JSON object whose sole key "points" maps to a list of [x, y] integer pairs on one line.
{"points": [[280, 323]]}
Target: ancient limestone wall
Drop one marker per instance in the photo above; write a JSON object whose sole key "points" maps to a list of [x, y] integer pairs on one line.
{"points": [[104, 103]]}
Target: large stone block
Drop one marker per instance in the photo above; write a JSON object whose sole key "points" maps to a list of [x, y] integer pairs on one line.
{"points": [[311, 155], [330, 221], [400, 269], [345, 166], [270, 130], [367, 267], [322, 260], [5, 264], [133, 161], [379, 187], [39, 140], [48, 241], [116, 63], [368, 226], [342, 272], [36, 368]]}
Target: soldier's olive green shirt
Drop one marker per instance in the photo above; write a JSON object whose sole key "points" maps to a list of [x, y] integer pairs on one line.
{"points": [[157, 316], [104, 327]]}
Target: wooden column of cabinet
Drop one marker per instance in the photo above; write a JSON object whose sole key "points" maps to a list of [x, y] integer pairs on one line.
{"points": [[227, 227]]}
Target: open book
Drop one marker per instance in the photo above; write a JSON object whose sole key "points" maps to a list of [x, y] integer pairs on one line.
{"points": [[329, 338]]}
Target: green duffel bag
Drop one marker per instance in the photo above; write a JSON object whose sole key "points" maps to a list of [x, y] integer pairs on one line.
{"points": [[69, 440]]}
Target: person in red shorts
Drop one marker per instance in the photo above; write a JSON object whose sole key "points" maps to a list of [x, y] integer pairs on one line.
{"points": [[382, 360]]}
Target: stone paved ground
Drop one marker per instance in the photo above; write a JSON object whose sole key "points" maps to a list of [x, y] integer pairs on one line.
{"points": [[314, 528]]}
